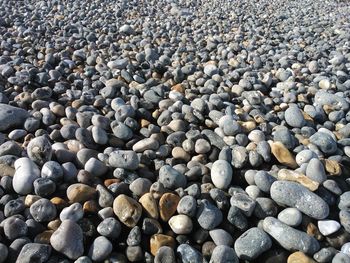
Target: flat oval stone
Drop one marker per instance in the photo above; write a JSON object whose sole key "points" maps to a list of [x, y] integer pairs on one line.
{"points": [[294, 117], [295, 195], [290, 238]]}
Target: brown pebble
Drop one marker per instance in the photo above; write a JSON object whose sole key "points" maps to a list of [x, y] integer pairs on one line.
{"points": [[127, 210], [44, 237], [59, 202], [91, 207], [149, 204], [108, 182], [299, 257], [283, 155], [332, 167], [207, 248], [167, 205], [160, 240], [80, 193], [312, 230]]}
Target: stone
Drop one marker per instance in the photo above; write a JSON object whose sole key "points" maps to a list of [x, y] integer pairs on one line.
{"points": [[187, 206], [181, 224], [145, 144], [341, 258], [73, 212], [110, 228], [33, 252], [127, 210], [221, 174], [283, 155], [299, 257], [324, 142], [294, 176], [295, 195], [149, 205], [160, 240], [6, 117], [328, 227], [39, 150], [78, 193], [252, 243], [223, 253], [208, 215], [290, 216], [100, 249], [315, 171], [124, 159], [188, 254], [294, 117], [221, 237], [165, 255], [68, 239], [167, 205], [3, 253], [43, 210], [290, 238], [171, 178], [25, 175]]}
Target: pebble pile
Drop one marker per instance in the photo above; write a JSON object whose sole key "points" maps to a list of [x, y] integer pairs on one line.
{"points": [[174, 131]]}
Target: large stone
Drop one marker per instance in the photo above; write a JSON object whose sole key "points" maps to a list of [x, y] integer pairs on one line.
{"points": [[68, 239], [127, 210], [11, 117]]}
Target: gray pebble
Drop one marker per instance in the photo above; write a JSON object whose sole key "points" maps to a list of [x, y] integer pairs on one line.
{"points": [[33, 252], [223, 253], [100, 249], [43, 210], [252, 243], [110, 228], [290, 216], [289, 238], [73, 212], [296, 195], [171, 178]]}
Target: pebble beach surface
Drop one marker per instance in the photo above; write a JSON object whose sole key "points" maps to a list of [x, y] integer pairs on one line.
{"points": [[174, 131]]}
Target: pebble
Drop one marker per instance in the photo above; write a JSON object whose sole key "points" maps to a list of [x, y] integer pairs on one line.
{"points": [[158, 241], [188, 254], [252, 243], [328, 227], [124, 159], [68, 239], [171, 178], [290, 216], [149, 204], [6, 117], [127, 210], [299, 257], [168, 205], [39, 150], [295, 195], [43, 210], [110, 228], [80, 193], [181, 224], [34, 252], [208, 215], [221, 174], [221, 237], [290, 238], [73, 212], [341, 258], [222, 253], [294, 117], [165, 255], [100, 249], [26, 173]]}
